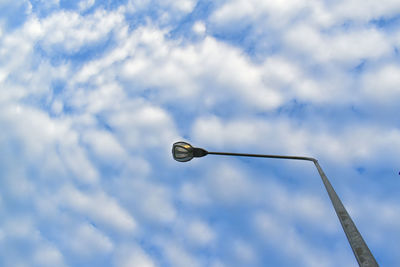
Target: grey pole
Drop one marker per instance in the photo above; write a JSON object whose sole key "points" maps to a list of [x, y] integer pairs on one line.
{"points": [[360, 249]]}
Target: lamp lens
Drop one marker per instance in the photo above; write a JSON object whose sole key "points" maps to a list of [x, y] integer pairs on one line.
{"points": [[182, 151]]}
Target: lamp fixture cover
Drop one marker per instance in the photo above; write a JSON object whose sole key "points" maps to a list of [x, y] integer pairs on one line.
{"points": [[182, 151]]}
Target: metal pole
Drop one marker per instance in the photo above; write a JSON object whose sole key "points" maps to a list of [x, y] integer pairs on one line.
{"points": [[360, 249], [261, 156]]}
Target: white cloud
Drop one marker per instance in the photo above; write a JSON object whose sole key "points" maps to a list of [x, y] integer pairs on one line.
{"points": [[300, 206], [19, 228], [287, 240], [18, 231], [244, 252], [87, 241], [194, 194], [53, 143], [104, 145], [212, 131], [199, 27], [228, 185], [86, 4], [276, 13], [347, 47], [132, 256], [188, 70], [327, 38], [136, 5], [68, 31], [124, 103], [49, 3], [384, 219], [199, 232], [280, 14], [178, 256], [168, 8], [352, 143], [364, 11], [182, 5], [381, 85], [140, 126], [185, 71], [100, 207], [105, 97], [48, 256], [153, 201]]}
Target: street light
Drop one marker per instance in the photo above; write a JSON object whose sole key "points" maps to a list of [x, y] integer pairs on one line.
{"points": [[182, 151]]}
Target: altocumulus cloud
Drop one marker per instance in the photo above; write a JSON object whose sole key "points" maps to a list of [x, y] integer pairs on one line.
{"points": [[93, 94]]}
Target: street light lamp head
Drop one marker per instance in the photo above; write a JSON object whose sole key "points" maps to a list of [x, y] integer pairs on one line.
{"points": [[182, 152]]}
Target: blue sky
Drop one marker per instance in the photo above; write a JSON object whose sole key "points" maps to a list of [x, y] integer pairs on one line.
{"points": [[94, 93]]}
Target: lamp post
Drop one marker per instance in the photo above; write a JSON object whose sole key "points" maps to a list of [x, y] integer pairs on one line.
{"points": [[183, 152]]}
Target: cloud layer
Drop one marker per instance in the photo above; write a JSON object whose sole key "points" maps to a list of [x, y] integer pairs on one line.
{"points": [[94, 93]]}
